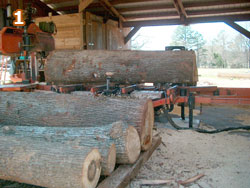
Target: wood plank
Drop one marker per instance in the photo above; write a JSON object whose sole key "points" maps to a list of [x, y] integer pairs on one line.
{"points": [[121, 177], [84, 4]]}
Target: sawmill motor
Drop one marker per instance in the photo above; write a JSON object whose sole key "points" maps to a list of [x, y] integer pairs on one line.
{"points": [[27, 47]]}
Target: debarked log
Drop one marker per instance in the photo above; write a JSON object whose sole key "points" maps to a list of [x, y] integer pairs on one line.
{"points": [[127, 67]]}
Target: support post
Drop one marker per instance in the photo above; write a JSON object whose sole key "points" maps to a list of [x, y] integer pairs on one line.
{"points": [[131, 34], [191, 105], [238, 28]]}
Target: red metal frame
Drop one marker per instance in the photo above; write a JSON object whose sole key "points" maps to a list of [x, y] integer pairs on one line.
{"points": [[202, 95], [206, 95]]}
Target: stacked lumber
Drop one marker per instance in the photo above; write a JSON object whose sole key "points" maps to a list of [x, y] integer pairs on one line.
{"points": [[77, 110], [128, 67]]}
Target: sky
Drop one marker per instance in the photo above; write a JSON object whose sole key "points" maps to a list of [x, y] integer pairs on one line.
{"points": [[158, 37]]}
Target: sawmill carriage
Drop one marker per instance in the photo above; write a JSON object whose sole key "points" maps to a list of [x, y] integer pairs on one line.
{"points": [[97, 105]]}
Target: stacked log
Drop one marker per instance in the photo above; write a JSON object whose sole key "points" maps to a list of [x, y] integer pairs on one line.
{"points": [[67, 110], [128, 67], [116, 142], [48, 164]]}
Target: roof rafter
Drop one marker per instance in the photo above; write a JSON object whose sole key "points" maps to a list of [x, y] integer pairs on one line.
{"points": [[180, 9], [213, 3], [84, 4], [207, 19], [54, 1], [113, 9]]}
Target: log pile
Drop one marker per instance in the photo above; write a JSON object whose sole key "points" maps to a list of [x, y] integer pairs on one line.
{"points": [[128, 67], [76, 110], [69, 140], [48, 164]]}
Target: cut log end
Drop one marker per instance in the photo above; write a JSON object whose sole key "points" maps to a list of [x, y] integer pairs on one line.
{"points": [[147, 132], [133, 145], [111, 161], [91, 169]]}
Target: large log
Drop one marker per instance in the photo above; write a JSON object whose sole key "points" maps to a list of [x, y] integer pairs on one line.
{"points": [[63, 110], [129, 67], [110, 139], [48, 164]]}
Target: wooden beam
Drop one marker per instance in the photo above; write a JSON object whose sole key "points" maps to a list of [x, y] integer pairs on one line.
{"points": [[152, 15], [180, 9], [106, 9], [116, 2], [67, 8], [54, 1], [188, 4], [131, 34], [84, 4], [110, 6], [238, 28], [208, 19], [124, 173], [183, 11], [213, 3], [44, 6], [146, 8], [218, 11]]}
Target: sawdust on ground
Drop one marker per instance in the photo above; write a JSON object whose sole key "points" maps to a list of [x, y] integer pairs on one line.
{"points": [[224, 158]]}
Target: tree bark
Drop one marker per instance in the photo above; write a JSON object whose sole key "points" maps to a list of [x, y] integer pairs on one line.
{"points": [[48, 164], [110, 139], [67, 110], [128, 67]]}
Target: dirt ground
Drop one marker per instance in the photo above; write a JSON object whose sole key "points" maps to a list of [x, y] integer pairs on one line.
{"points": [[223, 158]]}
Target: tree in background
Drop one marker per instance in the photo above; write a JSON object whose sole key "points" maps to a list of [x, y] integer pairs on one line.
{"points": [[185, 36], [218, 61]]}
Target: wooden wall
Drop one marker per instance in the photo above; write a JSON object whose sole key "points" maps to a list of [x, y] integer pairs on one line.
{"points": [[86, 31], [69, 30]]}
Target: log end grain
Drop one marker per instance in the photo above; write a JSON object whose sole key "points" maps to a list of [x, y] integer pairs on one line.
{"points": [[111, 161], [91, 170], [147, 132], [133, 145]]}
